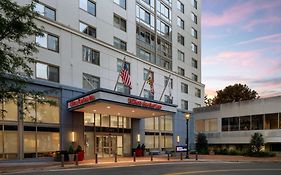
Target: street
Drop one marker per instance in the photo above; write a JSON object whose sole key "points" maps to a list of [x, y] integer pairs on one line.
{"points": [[175, 168]]}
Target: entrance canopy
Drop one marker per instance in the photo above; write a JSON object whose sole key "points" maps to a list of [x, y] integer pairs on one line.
{"points": [[110, 102]]}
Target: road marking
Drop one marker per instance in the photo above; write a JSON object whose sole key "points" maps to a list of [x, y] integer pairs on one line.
{"points": [[216, 171]]}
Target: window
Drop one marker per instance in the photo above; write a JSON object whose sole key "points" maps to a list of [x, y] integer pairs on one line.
{"points": [[89, 30], [180, 22], [122, 88], [224, 124], [89, 6], [180, 56], [90, 82], [163, 28], [194, 32], [168, 99], [194, 63], [207, 125], [120, 63], [184, 104], [180, 39], [166, 79], [144, 16], [180, 6], [144, 55], [119, 44], [47, 72], [181, 71], [91, 55], [245, 123], [193, 17], [234, 123], [184, 88], [149, 2], [257, 122], [48, 41], [271, 121], [194, 48], [119, 22], [194, 3], [194, 77], [45, 11], [121, 3], [147, 94], [145, 72], [163, 10], [197, 93]]}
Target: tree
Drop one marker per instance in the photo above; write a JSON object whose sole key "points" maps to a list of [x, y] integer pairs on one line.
{"points": [[201, 143], [208, 101], [256, 142], [235, 93], [16, 51]]}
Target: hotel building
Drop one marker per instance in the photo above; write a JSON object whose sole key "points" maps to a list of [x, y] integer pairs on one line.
{"points": [[78, 63]]}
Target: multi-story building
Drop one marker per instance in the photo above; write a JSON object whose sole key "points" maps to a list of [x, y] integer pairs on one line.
{"points": [[78, 63], [231, 125]]}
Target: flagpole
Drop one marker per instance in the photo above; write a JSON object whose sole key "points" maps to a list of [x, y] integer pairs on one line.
{"points": [[119, 73], [165, 87], [149, 70]]}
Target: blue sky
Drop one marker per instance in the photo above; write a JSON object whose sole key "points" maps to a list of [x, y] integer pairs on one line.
{"points": [[241, 43]]}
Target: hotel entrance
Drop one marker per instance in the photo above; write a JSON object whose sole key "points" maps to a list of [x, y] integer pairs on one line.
{"points": [[107, 145]]}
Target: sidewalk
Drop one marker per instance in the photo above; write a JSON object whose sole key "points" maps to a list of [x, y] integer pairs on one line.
{"points": [[40, 164]]}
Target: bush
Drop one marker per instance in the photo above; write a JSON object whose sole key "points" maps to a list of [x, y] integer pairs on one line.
{"points": [[260, 154], [201, 144], [70, 149], [79, 149]]}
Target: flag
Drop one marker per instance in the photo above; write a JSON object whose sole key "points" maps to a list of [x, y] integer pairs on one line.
{"points": [[150, 81], [125, 76]]}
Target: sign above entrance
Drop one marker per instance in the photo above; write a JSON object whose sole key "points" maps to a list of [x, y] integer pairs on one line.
{"points": [[81, 101], [144, 103]]}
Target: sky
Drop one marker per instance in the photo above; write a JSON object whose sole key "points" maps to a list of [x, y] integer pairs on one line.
{"points": [[241, 43]]}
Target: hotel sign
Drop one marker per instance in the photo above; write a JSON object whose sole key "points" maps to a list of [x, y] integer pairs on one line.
{"points": [[81, 101], [144, 103]]}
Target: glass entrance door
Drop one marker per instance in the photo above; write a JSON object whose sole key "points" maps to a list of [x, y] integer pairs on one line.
{"points": [[107, 145]]}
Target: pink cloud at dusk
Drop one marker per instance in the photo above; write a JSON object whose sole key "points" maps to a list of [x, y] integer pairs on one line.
{"points": [[274, 38], [267, 20]]}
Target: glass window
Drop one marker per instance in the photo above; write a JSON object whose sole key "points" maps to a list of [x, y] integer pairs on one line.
{"points": [[127, 122], [144, 55], [113, 121], [163, 10], [11, 142], [168, 99], [48, 41], [194, 63], [257, 122], [47, 72], [89, 119], [197, 92], [245, 123], [271, 121], [47, 113], [45, 11], [121, 3], [145, 72], [163, 28], [147, 94], [149, 123], [11, 113], [97, 120], [48, 141], [104, 120], [181, 71], [90, 82], [180, 22], [194, 32], [184, 88], [184, 104], [224, 123], [122, 88], [168, 123], [119, 22], [234, 123], [180, 55], [89, 30], [168, 141], [120, 63], [194, 48], [180, 6], [194, 77], [91, 55], [166, 79], [193, 17], [145, 16], [199, 126], [29, 141], [180, 39], [149, 141], [119, 44], [194, 3], [89, 6]]}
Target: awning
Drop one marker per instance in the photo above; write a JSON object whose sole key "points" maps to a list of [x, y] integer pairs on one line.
{"points": [[110, 102]]}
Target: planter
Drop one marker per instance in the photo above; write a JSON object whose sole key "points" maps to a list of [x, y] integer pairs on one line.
{"points": [[138, 152], [80, 155], [71, 157]]}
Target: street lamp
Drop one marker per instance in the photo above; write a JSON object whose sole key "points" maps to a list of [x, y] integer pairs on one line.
{"points": [[187, 116]]}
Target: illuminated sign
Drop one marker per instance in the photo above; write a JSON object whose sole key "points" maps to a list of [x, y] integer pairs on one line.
{"points": [[144, 103], [81, 101], [181, 149]]}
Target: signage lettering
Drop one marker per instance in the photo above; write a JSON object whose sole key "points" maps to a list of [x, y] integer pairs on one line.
{"points": [[144, 103], [81, 101]]}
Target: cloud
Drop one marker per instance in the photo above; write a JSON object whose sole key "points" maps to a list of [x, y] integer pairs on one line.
{"points": [[267, 20], [274, 38]]}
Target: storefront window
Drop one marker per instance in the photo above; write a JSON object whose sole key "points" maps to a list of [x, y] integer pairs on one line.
{"points": [[97, 120], [113, 121], [149, 123], [149, 141], [271, 121], [257, 122], [10, 142], [48, 141], [245, 123], [127, 144], [168, 123], [89, 119], [162, 123], [120, 122], [11, 113], [105, 121], [168, 141], [127, 122], [29, 142]]}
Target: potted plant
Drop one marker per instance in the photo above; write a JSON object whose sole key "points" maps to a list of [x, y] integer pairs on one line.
{"points": [[71, 152], [80, 153], [138, 151]]}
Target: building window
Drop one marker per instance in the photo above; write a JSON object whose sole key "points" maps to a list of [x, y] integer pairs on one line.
{"points": [[234, 123], [181, 71], [166, 79], [207, 125], [180, 22], [144, 55], [122, 88], [91, 55], [145, 17], [121, 3], [119, 22], [168, 99], [184, 88], [147, 94], [197, 93], [119, 44], [180, 39], [180, 6], [194, 3], [89, 30], [163, 28], [271, 121], [257, 122], [245, 123], [90, 82], [45, 11], [120, 63], [48, 41], [224, 124], [163, 10], [197, 105], [47, 72], [194, 48], [194, 63], [193, 17], [180, 55], [194, 32], [149, 2], [184, 104], [194, 77], [89, 6]]}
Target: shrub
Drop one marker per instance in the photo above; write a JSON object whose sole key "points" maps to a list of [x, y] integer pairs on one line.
{"points": [[260, 154], [70, 149], [201, 144]]}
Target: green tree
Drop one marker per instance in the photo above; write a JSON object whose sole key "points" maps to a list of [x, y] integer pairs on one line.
{"points": [[208, 101], [234, 93], [201, 143], [256, 142]]}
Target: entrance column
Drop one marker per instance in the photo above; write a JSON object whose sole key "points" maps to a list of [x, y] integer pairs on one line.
{"points": [[135, 131]]}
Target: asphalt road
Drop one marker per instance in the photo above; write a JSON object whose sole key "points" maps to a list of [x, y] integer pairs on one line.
{"points": [[179, 168]]}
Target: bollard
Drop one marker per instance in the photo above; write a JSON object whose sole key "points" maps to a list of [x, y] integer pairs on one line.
{"points": [[62, 160], [196, 156], [76, 159], [181, 156], [96, 157], [134, 156], [168, 156], [115, 157], [151, 157]]}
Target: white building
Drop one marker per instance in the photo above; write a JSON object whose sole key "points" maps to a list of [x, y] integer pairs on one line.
{"points": [[82, 49]]}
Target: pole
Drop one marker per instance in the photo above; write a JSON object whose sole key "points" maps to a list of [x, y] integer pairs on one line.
{"points": [[146, 78], [96, 157], [134, 156], [115, 157], [165, 87], [62, 159], [151, 157], [187, 154], [76, 160], [119, 73]]}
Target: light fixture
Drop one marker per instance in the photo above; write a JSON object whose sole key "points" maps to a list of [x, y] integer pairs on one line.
{"points": [[118, 113], [108, 107], [138, 138], [187, 116], [153, 114], [133, 110], [72, 136], [178, 139], [94, 110]]}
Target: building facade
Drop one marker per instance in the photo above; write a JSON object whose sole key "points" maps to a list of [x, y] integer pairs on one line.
{"points": [[230, 126], [82, 52]]}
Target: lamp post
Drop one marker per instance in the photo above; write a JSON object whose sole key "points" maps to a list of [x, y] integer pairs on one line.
{"points": [[187, 116]]}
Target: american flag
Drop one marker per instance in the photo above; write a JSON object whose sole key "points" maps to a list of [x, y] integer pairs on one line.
{"points": [[125, 76], [150, 82]]}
